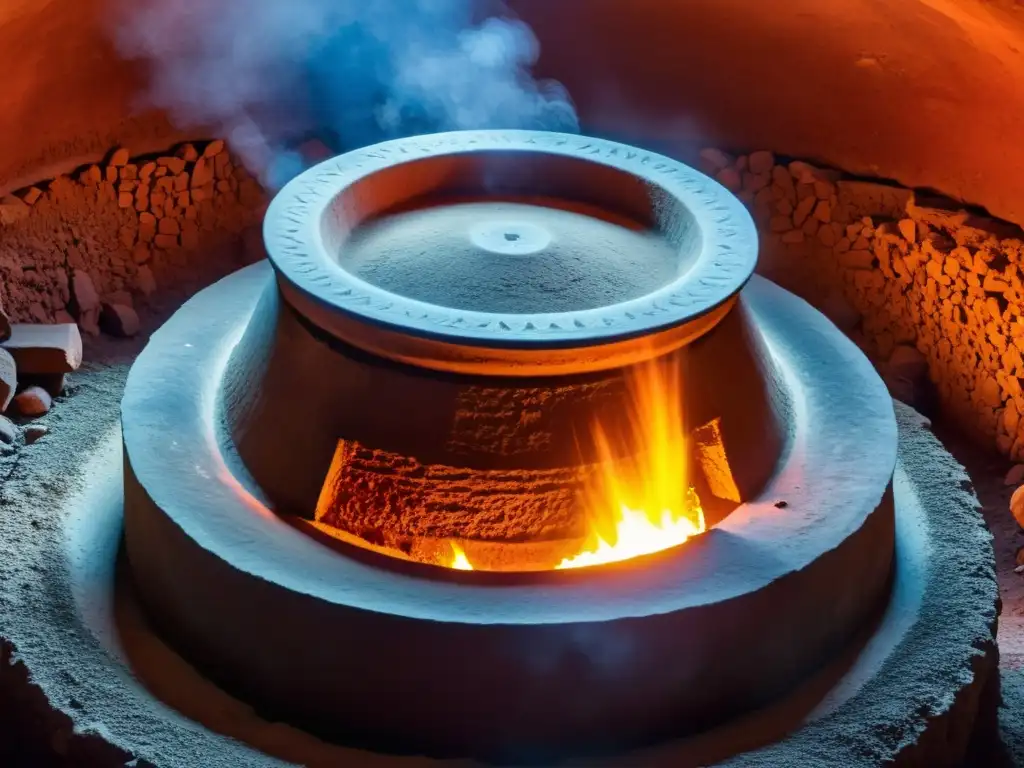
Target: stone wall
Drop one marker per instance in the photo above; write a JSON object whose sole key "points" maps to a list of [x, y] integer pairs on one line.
{"points": [[934, 294], [109, 235]]}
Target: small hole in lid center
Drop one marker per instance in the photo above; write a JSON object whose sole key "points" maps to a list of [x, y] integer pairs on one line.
{"points": [[511, 236]]}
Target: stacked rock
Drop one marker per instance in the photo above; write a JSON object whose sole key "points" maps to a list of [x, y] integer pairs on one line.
{"points": [[933, 293], [85, 248]]}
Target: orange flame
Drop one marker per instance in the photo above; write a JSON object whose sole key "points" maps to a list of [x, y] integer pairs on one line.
{"points": [[459, 560], [645, 504]]}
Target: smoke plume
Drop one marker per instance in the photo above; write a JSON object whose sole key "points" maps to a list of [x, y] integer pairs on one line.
{"points": [[270, 73]]}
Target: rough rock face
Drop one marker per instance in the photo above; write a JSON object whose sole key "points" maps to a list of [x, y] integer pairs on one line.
{"points": [[112, 233], [939, 290]]}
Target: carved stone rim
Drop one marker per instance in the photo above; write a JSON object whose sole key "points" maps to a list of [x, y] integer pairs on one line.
{"points": [[294, 240]]}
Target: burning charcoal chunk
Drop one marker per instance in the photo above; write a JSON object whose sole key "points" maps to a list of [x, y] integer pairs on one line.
{"points": [[32, 196], [33, 401], [8, 432], [45, 348], [8, 378], [35, 431], [119, 320], [214, 148], [713, 461]]}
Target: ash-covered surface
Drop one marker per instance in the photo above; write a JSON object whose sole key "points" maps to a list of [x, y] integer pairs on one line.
{"points": [[37, 611], [568, 261], [39, 617], [938, 671]]}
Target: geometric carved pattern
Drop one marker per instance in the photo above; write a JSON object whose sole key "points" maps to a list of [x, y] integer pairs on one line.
{"points": [[292, 231]]}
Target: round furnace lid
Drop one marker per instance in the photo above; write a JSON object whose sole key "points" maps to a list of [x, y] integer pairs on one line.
{"points": [[488, 251]]}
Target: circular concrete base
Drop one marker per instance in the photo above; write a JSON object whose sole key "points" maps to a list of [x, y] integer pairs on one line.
{"points": [[912, 696], [413, 658]]}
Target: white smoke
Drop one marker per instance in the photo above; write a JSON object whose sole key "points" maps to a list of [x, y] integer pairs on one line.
{"points": [[268, 72]]}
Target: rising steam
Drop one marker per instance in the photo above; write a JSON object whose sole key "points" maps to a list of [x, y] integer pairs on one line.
{"points": [[267, 73]]}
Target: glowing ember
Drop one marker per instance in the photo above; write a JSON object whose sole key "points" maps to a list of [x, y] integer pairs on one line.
{"points": [[459, 560], [645, 504]]}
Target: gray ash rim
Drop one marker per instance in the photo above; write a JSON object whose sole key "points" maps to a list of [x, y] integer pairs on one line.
{"points": [[295, 244]]}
